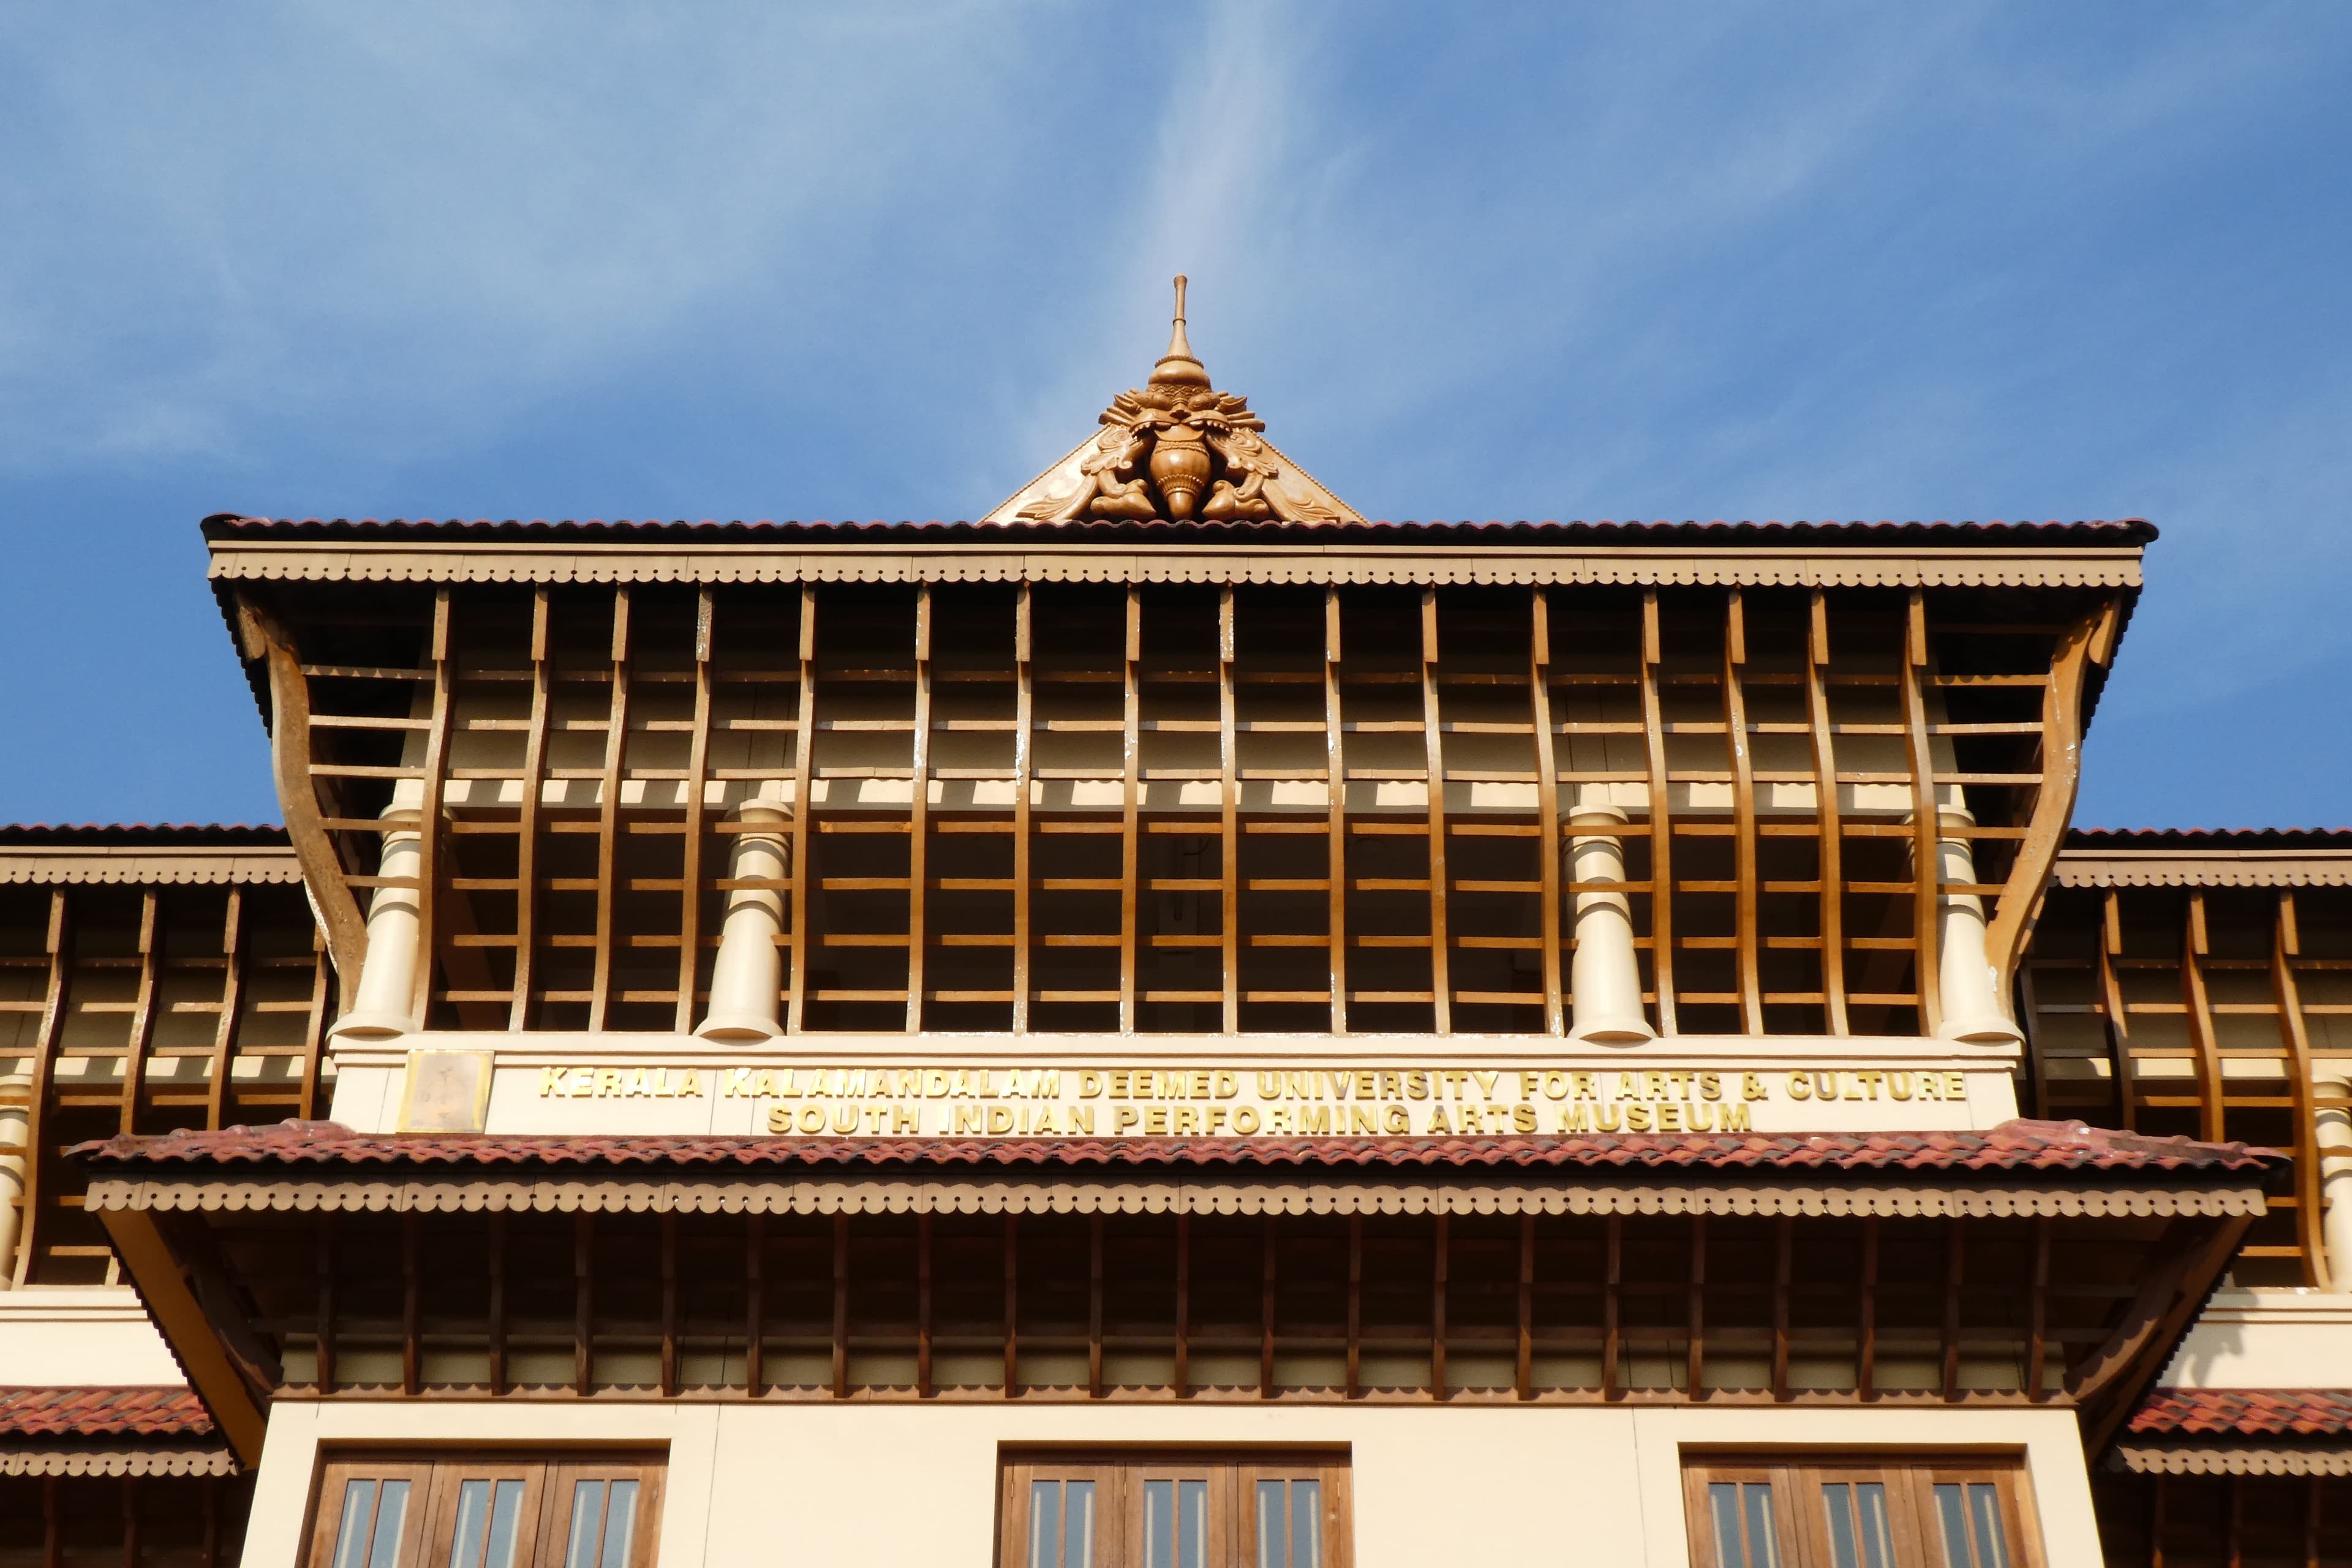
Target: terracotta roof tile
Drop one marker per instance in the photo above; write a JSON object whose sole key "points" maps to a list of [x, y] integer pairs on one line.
{"points": [[2246, 1412], [102, 1413], [2015, 1147]]}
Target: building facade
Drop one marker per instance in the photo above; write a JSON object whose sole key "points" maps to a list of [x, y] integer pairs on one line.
{"points": [[1175, 1026]]}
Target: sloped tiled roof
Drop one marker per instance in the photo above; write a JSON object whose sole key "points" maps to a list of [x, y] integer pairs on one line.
{"points": [[2010, 1149], [101, 1412], [2244, 1413]]}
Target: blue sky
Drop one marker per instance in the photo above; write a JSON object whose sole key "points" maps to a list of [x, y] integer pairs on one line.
{"points": [[1668, 260]]}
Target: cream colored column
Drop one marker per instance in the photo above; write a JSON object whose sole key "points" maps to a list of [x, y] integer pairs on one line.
{"points": [[747, 983], [15, 1131], [1971, 1001], [2334, 1139], [1605, 979], [386, 1002]]}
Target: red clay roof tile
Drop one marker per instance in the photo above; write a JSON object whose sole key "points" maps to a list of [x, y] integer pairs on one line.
{"points": [[2015, 1147], [2246, 1412], [102, 1413]]}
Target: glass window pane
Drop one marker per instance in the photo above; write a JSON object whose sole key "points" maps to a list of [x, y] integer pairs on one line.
{"points": [[1984, 1510], [1192, 1524], [1763, 1547], [620, 1524], [1837, 1500], [352, 1534], [505, 1511], [587, 1524], [1044, 1521], [1273, 1525], [1306, 1524], [1079, 1526], [1159, 1525], [390, 1515], [473, 1529]]}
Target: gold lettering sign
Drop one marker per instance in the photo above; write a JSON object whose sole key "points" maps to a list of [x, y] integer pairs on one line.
{"points": [[1217, 1102]]}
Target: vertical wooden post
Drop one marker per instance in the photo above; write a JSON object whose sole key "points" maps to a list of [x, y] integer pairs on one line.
{"points": [[41, 1154], [918, 812], [1095, 1305], [433, 835], [1784, 1258], [325, 1246], [925, 1248], [697, 770], [1440, 982], [2201, 1032], [527, 820], [669, 1305], [1025, 712], [804, 786], [1229, 799], [2037, 1321], [841, 1306], [2310, 1201], [1954, 1265], [1335, 772], [1613, 1279], [1547, 845], [583, 1299], [1012, 1307], [1268, 1258], [755, 1305], [1695, 1344], [608, 816], [1183, 1306], [1866, 1374], [143, 1017], [497, 1327], [1441, 1250], [1130, 827], [232, 1004], [1748, 918], [2115, 1014], [1355, 1304], [314, 1024], [1926, 865], [411, 1327], [1662, 832], [1523, 1372], [1828, 813]]}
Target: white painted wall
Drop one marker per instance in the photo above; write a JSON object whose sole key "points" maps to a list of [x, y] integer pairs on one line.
{"points": [[2267, 1339], [71, 1336]]}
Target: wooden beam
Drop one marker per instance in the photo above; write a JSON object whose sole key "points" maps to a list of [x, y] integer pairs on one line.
{"points": [[1524, 1364], [608, 817], [1865, 1379], [232, 1005], [1784, 1254], [1954, 1278], [2115, 1014], [1270, 1258], [323, 1244], [583, 1299], [925, 1248], [919, 813], [1926, 864], [841, 1306], [1441, 983], [520, 1011], [41, 1156], [1024, 717], [298, 796], [1095, 1305], [2202, 1034], [1662, 832], [2089, 641], [1441, 1250], [1335, 773], [1130, 827], [171, 1301], [1355, 1305], [1229, 815], [314, 1024], [2294, 1034], [433, 836], [497, 1327], [669, 1305], [2037, 1315], [1012, 1309], [1828, 812], [803, 783], [1183, 1306], [1748, 916], [1694, 1313], [697, 772], [755, 1304], [412, 1305], [142, 1014], [1548, 841], [1613, 1279]]}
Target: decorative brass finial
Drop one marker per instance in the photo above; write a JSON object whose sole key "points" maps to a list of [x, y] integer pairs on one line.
{"points": [[1177, 367]]}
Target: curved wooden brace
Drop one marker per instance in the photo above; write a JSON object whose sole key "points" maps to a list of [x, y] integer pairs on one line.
{"points": [[289, 759], [2089, 640]]}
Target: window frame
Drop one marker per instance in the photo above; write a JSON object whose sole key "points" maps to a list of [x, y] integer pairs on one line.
{"points": [[1801, 1514], [437, 1475], [1119, 1475]]}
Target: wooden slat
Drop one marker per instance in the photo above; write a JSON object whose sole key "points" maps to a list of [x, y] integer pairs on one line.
{"points": [[1440, 1251], [1523, 1363], [1131, 830], [1269, 1257], [2115, 1014], [496, 1326], [433, 835], [232, 1004], [1865, 1370], [323, 1255], [1441, 983], [1828, 812], [1747, 912], [1694, 1312], [323, 871], [1229, 815], [1548, 841], [1025, 718], [608, 816], [1926, 866], [1660, 826], [925, 1248], [2201, 1035], [2294, 1034], [2089, 641], [1335, 782], [314, 1025], [520, 1012], [2037, 1323], [668, 1245], [755, 1304], [1184, 1374], [1013, 1282], [919, 813], [583, 1299], [412, 1306], [1955, 1276], [698, 769], [841, 1306], [1612, 1281], [1784, 1246], [143, 1017], [41, 1159], [804, 773]]}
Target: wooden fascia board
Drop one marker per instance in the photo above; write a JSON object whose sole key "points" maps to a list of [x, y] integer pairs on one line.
{"points": [[171, 1304]]}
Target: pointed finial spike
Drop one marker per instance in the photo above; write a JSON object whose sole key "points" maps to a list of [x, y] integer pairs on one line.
{"points": [[1177, 367]]}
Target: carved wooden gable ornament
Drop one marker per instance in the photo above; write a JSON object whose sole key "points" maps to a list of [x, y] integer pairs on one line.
{"points": [[1180, 450]]}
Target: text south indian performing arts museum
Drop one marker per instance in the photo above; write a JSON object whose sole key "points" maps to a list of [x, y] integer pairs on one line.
{"points": [[1174, 1027]]}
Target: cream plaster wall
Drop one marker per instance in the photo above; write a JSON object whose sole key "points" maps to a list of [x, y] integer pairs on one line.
{"points": [[66, 1336], [916, 1485], [2267, 1339]]}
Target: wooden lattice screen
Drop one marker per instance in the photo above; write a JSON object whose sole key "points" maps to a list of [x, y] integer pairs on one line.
{"points": [[1170, 809]]}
